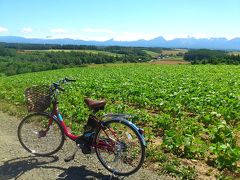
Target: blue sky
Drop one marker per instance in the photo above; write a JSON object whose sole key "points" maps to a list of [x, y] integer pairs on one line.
{"points": [[120, 19]]}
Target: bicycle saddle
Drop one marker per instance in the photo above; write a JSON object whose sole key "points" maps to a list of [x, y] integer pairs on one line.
{"points": [[95, 105]]}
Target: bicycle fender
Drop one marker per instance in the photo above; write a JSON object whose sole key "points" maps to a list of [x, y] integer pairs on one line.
{"points": [[121, 119]]}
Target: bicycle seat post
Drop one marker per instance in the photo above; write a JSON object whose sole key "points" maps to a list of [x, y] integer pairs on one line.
{"points": [[94, 112]]}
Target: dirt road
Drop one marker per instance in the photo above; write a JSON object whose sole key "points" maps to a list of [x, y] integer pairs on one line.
{"points": [[16, 163]]}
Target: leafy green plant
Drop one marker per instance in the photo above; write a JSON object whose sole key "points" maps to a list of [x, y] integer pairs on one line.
{"points": [[175, 168]]}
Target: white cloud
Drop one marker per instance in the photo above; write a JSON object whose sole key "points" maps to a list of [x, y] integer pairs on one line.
{"points": [[58, 31], [90, 34], [78, 37], [3, 29], [103, 34], [26, 30], [96, 38], [92, 30], [196, 35], [171, 36], [132, 36]]}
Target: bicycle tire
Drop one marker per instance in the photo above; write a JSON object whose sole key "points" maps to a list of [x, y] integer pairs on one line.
{"points": [[29, 136], [132, 133]]}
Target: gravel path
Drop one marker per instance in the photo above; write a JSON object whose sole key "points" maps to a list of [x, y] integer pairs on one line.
{"points": [[16, 163]]}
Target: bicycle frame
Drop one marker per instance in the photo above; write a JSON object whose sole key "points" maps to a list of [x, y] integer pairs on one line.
{"points": [[55, 114]]}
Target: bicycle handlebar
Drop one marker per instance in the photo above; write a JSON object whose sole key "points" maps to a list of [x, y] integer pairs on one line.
{"points": [[56, 85], [70, 80]]}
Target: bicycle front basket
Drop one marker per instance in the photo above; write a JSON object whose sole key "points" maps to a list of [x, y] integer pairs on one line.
{"points": [[38, 98]]}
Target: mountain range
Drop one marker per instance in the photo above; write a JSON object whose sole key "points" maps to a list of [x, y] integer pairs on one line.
{"points": [[194, 43]]}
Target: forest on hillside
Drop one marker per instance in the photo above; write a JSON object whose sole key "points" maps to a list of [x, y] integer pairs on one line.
{"points": [[206, 56], [22, 58]]}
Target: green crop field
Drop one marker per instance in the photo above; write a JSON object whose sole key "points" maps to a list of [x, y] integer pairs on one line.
{"points": [[235, 53], [174, 51], [193, 110], [151, 53]]}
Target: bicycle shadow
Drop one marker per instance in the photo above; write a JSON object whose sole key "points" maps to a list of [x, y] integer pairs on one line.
{"points": [[74, 172], [15, 168]]}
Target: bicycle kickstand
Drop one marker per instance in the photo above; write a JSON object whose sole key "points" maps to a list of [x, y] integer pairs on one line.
{"points": [[71, 157]]}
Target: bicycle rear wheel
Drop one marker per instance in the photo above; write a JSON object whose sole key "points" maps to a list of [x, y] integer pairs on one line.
{"points": [[35, 136], [119, 148]]}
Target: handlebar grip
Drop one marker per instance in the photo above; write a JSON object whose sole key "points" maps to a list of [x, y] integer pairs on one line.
{"points": [[70, 80]]}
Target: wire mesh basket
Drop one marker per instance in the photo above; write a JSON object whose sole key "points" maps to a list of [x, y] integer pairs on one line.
{"points": [[38, 98]]}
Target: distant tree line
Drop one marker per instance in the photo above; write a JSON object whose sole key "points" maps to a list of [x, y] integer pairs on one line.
{"points": [[205, 56], [7, 51], [26, 46], [9, 66], [14, 60], [113, 49]]}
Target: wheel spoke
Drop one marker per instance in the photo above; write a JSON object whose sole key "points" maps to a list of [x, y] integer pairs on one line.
{"points": [[37, 138], [128, 151]]}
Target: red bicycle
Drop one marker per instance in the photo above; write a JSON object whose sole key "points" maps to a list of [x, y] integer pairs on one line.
{"points": [[118, 143]]}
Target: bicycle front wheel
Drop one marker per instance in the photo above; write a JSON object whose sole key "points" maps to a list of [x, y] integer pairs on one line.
{"points": [[119, 148], [39, 135]]}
